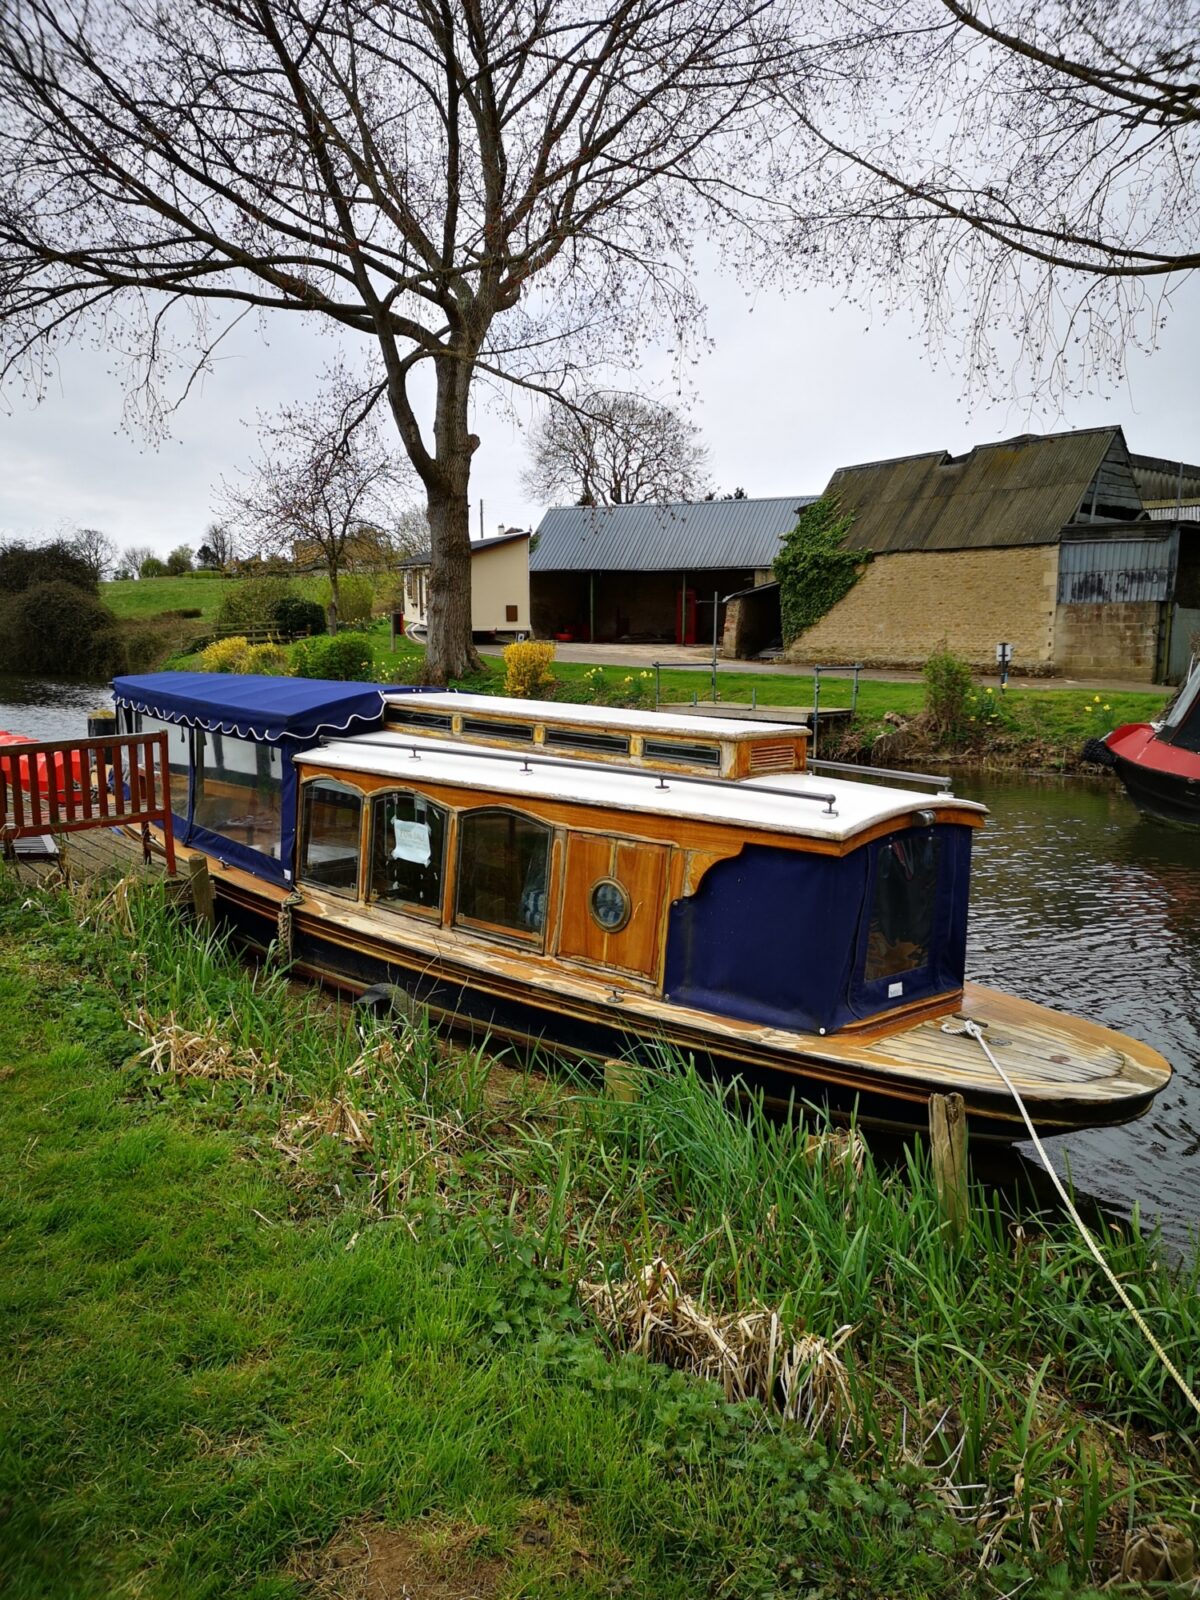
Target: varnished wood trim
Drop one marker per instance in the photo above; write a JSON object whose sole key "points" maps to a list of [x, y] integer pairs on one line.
{"points": [[941, 1005]]}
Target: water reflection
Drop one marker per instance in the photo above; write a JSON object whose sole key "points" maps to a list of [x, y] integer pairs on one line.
{"points": [[50, 711], [1083, 904]]}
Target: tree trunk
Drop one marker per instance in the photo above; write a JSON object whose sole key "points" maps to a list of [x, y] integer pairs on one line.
{"points": [[331, 610], [449, 650]]}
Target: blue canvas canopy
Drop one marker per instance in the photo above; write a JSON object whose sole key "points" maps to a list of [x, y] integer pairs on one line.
{"points": [[284, 714], [274, 709]]}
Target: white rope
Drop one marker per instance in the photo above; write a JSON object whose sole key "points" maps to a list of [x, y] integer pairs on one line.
{"points": [[976, 1033]]}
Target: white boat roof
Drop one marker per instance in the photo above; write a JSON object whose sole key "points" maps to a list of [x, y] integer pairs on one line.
{"points": [[557, 712], [775, 804]]}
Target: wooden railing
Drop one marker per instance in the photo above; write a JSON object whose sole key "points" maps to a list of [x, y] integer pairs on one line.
{"points": [[72, 784]]}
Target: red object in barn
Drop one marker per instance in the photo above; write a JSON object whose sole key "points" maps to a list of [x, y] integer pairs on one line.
{"points": [[685, 617]]}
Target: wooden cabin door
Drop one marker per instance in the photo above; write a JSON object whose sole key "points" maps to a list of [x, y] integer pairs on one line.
{"points": [[613, 902]]}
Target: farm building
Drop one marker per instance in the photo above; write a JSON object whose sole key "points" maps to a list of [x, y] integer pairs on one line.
{"points": [[499, 585], [650, 572], [1042, 541]]}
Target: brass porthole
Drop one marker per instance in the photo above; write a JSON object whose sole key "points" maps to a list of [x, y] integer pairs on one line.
{"points": [[609, 904]]}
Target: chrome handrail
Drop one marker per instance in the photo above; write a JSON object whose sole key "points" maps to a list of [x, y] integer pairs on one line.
{"points": [[936, 779]]}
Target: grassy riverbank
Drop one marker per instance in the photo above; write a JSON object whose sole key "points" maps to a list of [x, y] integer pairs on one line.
{"points": [[1022, 728], [269, 1290]]}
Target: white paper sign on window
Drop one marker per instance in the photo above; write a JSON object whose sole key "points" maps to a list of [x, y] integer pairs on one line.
{"points": [[412, 842]]}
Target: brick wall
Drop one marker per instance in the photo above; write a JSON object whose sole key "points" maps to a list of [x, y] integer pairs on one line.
{"points": [[904, 606], [1119, 640]]}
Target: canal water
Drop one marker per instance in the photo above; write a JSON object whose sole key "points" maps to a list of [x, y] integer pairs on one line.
{"points": [[1077, 902]]}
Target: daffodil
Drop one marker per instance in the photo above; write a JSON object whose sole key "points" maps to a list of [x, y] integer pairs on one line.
{"points": [[1096, 699]]}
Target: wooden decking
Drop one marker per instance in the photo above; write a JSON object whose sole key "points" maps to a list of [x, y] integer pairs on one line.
{"points": [[79, 856]]}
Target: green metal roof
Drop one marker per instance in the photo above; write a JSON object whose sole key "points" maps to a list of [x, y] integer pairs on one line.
{"points": [[1017, 492]]}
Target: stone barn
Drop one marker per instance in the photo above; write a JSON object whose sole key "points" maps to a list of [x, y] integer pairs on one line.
{"points": [[1042, 542]]}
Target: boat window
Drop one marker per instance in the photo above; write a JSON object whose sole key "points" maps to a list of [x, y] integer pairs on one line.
{"points": [[330, 837], [576, 739], [693, 755], [488, 728], [610, 905], [179, 758], [901, 927], [440, 721], [408, 837], [239, 790], [503, 863]]}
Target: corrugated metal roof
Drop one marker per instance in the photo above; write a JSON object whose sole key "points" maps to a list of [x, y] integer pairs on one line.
{"points": [[1017, 492], [1187, 511], [1160, 480], [666, 538]]}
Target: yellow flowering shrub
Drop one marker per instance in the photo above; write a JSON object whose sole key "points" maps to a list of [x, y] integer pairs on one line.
{"points": [[226, 655], [527, 667], [271, 660]]}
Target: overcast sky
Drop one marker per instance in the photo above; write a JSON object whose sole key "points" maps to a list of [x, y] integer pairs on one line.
{"points": [[792, 389]]}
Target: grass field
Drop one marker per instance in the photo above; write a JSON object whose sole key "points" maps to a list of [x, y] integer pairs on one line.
{"points": [[142, 598], [271, 1291]]}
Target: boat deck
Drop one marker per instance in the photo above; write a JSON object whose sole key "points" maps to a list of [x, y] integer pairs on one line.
{"points": [[792, 803]]}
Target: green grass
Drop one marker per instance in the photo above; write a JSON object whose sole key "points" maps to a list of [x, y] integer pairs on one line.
{"points": [[225, 1334], [1034, 727], [141, 598], [144, 598]]}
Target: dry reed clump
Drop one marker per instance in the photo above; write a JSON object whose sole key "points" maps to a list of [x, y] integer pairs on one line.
{"points": [[749, 1353], [330, 1119], [841, 1149], [183, 1053], [112, 908]]}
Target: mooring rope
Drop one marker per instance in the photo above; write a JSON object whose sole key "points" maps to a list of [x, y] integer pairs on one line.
{"points": [[976, 1033], [283, 940]]}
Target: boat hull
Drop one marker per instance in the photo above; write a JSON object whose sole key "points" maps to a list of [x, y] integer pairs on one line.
{"points": [[1162, 779], [836, 1075]]}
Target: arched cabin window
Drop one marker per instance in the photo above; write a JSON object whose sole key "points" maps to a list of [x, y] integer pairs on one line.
{"points": [[331, 835], [503, 872], [408, 846]]}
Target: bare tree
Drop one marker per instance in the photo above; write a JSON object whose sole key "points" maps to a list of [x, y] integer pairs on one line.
{"points": [[219, 548], [504, 190], [323, 476], [613, 449], [1020, 168], [410, 533], [96, 548], [134, 557]]}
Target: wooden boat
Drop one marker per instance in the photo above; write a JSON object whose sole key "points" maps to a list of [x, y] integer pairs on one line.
{"points": [[614, 882], [1159, 762]]}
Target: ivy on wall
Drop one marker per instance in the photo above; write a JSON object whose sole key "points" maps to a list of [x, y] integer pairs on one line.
{"points": [[813, 569]]}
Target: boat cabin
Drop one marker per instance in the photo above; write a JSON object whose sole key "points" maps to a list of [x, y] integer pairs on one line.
{"points": [[784, 901], [666, 741]]}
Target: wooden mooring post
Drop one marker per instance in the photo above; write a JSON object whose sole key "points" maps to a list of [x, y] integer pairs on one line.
{"points": [[948, 1148], [622, 1080], [202, 890]]}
